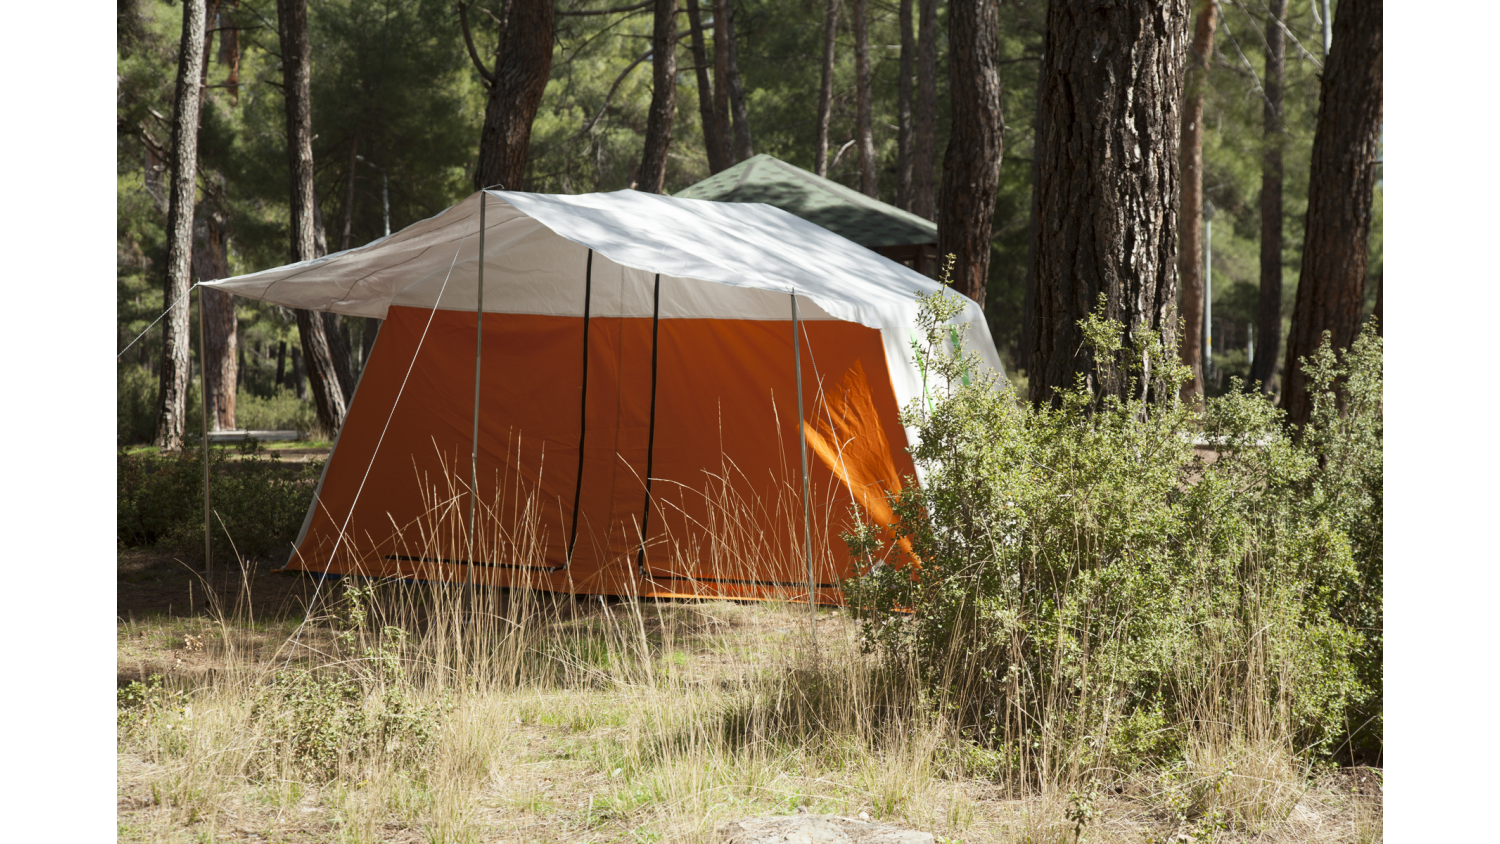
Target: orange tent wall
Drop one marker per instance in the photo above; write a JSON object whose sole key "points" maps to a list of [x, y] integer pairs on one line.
{"points": [[726, 513]]}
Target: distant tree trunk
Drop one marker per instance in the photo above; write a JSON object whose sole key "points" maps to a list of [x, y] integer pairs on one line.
{"points": [[281, 363], [337, 332], [924, 126], [1340, 197], [1268, 322], [220, 325], [1107, 178], [348, 234], [971, 166], [372, 328], [825, 94], [721, 79], [653, 172], [171, 397], [229, 48], [296, 61], [903, 107], [1033, 229], [210, 20], [1190, 255], [523, 58], [297, 382], [863, 116], [716, 159], [742, 145]]}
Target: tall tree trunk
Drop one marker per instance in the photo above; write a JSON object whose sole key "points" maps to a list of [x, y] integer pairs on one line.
{"points": [[924, 125], [523, 58], [296, 66], [229, 48], [348, 234], [1033, 230], [971, 165], [903, 107], [281, 363], [1107, 178], [1340, 197], [220, 324], [825, 94], [742, 145], [1268, 322], [863, 116], [171, 397], [337, 332], [298, 384], [1190, 255], [721, 80], [653, 172], [717, 161]]}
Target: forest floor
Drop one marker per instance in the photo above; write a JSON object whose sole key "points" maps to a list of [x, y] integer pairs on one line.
{"points": [[548, 770]]}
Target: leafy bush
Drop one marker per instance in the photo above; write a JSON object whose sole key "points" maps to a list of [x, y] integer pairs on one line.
{"points": [[1083, 588], [323, 722], [135, 405], [257, 499], [281, 411]]}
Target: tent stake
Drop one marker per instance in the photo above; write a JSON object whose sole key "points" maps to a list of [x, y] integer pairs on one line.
{"points": [[474, 442], [812, 593], [208, 560]]}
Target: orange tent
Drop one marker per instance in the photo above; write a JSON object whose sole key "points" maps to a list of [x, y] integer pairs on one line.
{"points": [[609, 401]]}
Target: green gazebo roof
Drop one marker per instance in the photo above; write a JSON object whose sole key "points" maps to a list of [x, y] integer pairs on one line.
{"points": [[868, 222]]}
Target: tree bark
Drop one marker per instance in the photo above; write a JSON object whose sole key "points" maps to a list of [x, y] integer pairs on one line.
{"points": [[281, 363], [523, 58], [653, 170], [907, 66], [1107, 180], [1190, 255], [296, 65], [220, 324], [971, 165], [924, 124], [863, 117], [229, 50], [721, 80], [336, 330], [1268, 321], [742, 145], [1033, 229], [171, 397], [825, 94], [1340, 198], [717, 161]]}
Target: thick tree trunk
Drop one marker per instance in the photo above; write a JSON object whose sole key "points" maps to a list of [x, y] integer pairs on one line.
{"points": [[721, 80], [1340, 197], [1190, 255], [1268, 321], [1107, 180], [296, 62], [742, 145], [523, 59], [924, 124], [825, 94], [220, 325], [1033, 229], [863, 117], [171, 397], [903, 107], [337, 333], [653, 170], [716, 159], [971, 166]]}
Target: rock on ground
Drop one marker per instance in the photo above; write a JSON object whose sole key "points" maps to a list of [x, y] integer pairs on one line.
{"points": [[816, 829]]}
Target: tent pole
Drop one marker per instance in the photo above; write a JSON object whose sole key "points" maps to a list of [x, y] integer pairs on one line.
{"points": [[812, 593], [474, 442], [208, 561]]}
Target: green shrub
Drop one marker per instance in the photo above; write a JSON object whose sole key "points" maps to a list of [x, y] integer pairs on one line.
{"points": [[135, 405], [1084, 589], [257, 499], [281, 411]]}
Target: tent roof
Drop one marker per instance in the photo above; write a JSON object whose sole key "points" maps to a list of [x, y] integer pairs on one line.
{"points": [[538, 245], [862, 219]]}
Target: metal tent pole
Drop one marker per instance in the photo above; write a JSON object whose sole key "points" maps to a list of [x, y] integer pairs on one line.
{"points": [[812, 593], [208, 560], [474, 442]]}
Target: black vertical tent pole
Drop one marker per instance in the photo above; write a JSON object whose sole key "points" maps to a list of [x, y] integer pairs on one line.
{"points": [[651, 427], [474, 442], [583, 405], [812, 593], [208, 561]]}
